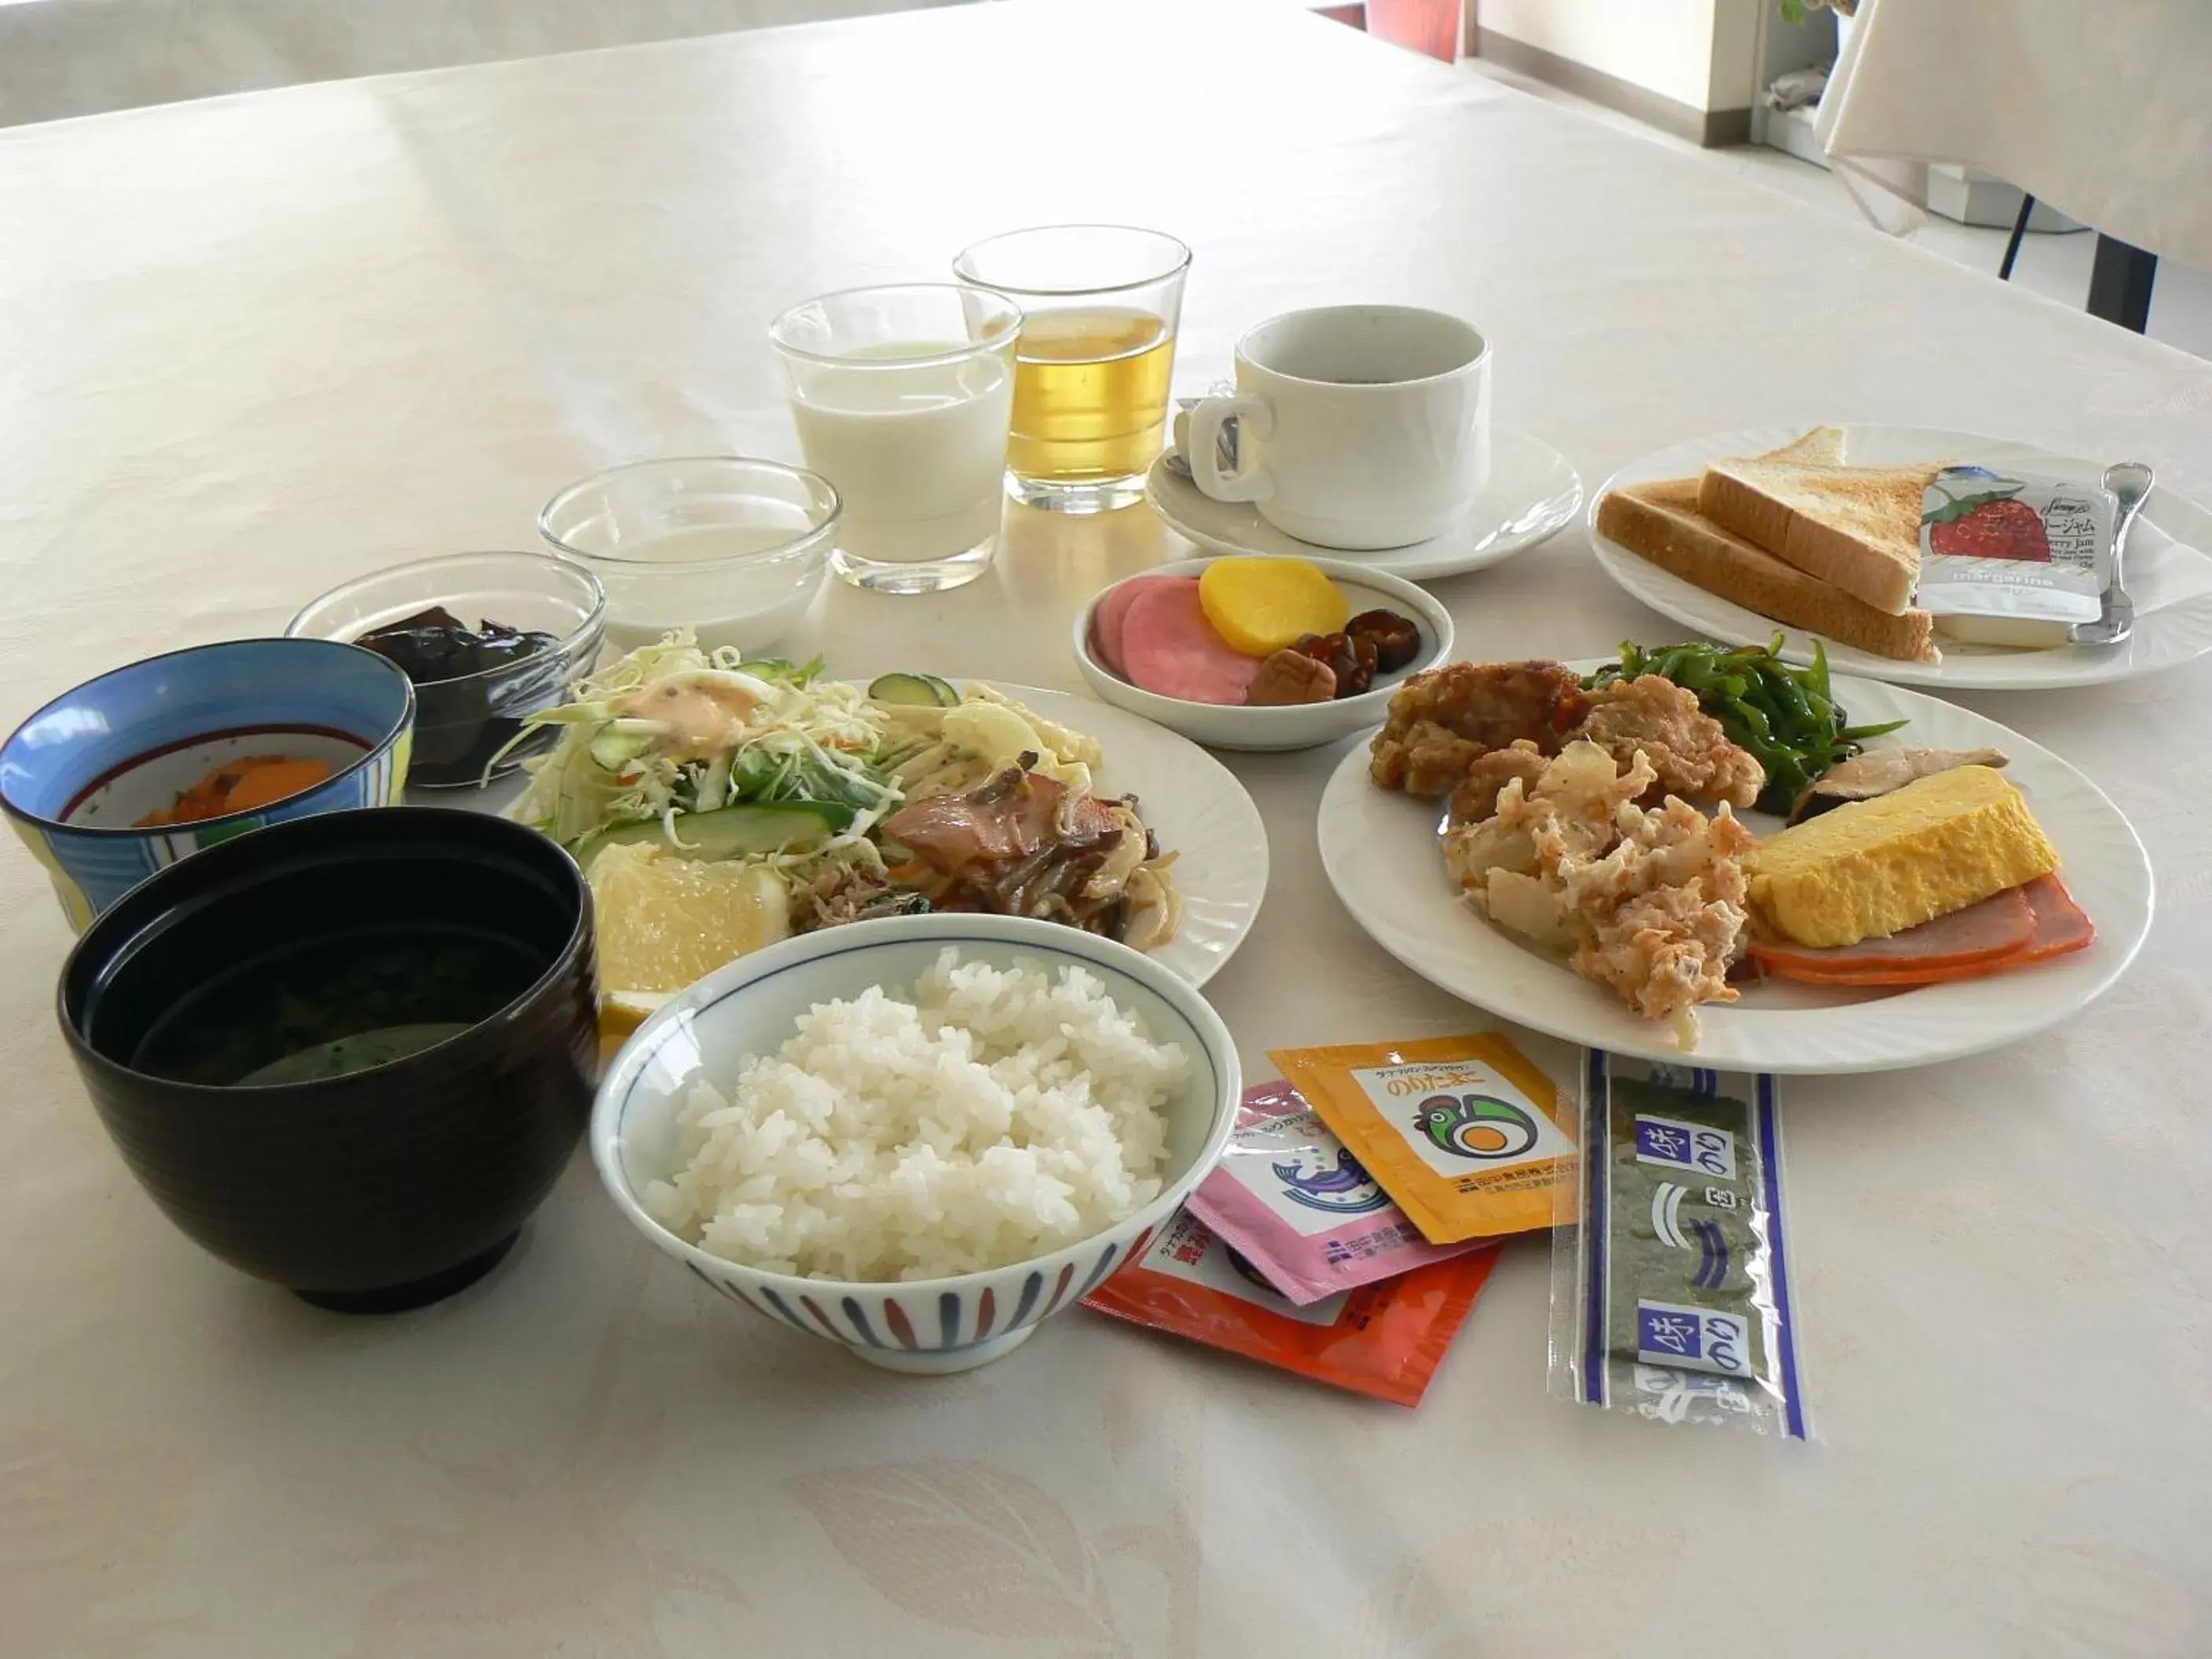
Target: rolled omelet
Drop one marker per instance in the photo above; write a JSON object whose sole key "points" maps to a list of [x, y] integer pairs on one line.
{"points": [[1876, 867]]}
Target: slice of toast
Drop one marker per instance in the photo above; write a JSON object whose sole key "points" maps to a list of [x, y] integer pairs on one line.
{"points": [[1661, 522], [1856, 528], [1822, 446]]}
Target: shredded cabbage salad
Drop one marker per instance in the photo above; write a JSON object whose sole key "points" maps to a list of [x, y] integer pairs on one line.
{"points": [[671, 729]]}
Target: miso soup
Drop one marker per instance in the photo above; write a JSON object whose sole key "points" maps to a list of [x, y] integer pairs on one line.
{"points": [[344, 1003]]}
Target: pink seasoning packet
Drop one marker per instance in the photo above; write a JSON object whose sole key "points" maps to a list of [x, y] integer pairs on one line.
{"points": [[1295, 1202]]}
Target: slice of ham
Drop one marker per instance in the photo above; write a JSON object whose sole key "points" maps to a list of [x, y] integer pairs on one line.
{"points": [[1996, 928], [1109, 622], [1169, 648], [1010, 817], [1952, 947], [2062, 926]]}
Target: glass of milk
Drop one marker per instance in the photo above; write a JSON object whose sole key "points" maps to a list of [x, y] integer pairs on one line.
{"points": [[734, 549], [902, 397]]}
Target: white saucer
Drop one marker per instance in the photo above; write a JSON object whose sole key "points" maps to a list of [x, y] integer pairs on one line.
{"points": [[1534, 492]]}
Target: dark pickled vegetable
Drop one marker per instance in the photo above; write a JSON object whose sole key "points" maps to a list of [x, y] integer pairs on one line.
{"points": [[435, 644], [473, 688], [1396, 639], [1351, 659]]}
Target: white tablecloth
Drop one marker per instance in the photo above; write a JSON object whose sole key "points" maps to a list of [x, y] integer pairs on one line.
{"points": [[260, 344], [2098, 110], [63, 58]]}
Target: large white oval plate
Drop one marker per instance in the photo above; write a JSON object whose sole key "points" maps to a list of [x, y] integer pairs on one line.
{"points": [[1192, 802], [2169, 568], [1379, 848]]}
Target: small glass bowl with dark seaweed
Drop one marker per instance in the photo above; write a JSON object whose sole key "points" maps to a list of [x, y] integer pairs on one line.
{"points": [[489, 638]]}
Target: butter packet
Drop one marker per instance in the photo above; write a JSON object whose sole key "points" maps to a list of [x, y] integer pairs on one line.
{"points": [[1671, 1294], [1465, 1133], [1292, 1198]]}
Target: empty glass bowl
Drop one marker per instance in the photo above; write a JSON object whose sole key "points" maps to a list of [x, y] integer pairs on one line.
{"points": [[735, 550]]}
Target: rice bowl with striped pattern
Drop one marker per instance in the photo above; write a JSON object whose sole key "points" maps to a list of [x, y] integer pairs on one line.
{"points": [[919, 1157]]}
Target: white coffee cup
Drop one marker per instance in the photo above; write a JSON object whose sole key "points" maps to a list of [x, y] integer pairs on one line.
{"points": [[1357, 426]]}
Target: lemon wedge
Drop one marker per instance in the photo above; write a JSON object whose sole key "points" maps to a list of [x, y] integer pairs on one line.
{"points": [[1259, 607], [665, 920]]}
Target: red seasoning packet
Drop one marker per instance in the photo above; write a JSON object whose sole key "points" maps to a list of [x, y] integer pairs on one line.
{"points": [[1384, 1340]]}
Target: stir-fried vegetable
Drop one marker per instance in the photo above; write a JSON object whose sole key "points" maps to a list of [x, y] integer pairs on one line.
{"points": [[1786, 717]]}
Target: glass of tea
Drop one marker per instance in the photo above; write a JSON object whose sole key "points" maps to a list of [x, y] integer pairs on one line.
{"points": [[1100, 304], [903, 395]]}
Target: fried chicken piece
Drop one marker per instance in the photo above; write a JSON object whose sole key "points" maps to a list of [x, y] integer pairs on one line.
{"points": [[1649, 903], [1666, 944], [1693, 757], [1443, 720], [1487, 776]]}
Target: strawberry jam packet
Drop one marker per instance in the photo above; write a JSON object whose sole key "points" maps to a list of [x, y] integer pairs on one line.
{"points": [[1290, 1198], [1384, 1340], [1466, 1132], [2013, 547]]}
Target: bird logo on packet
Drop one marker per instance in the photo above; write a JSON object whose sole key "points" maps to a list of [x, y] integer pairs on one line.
{"points": [[1290, 1198], [1465, 1133], [1476, 1125]]}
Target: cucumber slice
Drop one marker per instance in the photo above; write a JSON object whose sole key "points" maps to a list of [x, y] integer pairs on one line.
{"points": [[734, 832], [613, 750], [916, 690]]}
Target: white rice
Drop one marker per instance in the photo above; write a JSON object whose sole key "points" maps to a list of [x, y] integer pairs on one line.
{"points": [[1000, 1114]]}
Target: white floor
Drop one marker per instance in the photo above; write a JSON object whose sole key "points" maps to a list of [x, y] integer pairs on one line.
{"points": [[2055, 265]]}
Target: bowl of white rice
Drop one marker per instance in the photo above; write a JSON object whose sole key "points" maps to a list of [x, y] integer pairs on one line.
{"points": [[918, 1137]]}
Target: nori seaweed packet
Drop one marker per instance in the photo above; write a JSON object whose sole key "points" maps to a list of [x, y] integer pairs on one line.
{"points": [[1671, 1291]]}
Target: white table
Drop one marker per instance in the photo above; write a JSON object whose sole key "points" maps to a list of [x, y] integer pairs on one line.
{"points": [[259, 344], [64, 58]]}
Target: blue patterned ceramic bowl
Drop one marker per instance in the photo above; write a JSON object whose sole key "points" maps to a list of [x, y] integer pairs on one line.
{"points": [[76, 777], [750, 1007]]}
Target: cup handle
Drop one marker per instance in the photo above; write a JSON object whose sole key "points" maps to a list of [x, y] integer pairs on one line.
{"points": [[1254, 419]]}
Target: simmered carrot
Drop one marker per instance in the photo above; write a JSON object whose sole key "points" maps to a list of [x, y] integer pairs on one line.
{"points": [[237, 785], [273, 780]]}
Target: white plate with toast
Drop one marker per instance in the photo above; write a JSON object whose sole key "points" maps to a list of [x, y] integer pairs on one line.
{"points": [[2168, 569], [1380, 850]]}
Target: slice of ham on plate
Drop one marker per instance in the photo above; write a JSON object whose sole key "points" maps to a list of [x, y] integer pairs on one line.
{"points": [[1109, 622], [1169, 648], [2012, 929]]}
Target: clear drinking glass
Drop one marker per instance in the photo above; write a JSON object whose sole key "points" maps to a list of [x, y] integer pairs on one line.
{"points": [[903, 395], [1100, 304], [731, 548]]}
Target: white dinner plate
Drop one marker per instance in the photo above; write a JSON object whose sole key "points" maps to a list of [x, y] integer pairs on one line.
{"points": [[2169, 568], [1380, 850], [1532, 494], [1191, 801]]}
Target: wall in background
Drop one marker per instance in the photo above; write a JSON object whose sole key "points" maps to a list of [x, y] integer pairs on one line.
{"points": [[1686, 66]]}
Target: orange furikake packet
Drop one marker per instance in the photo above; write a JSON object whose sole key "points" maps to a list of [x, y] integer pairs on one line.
{"points": [[1465, 1131]]}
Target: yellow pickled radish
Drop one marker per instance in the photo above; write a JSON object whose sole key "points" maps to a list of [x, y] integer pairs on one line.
{"points": [[1260, 605]]}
